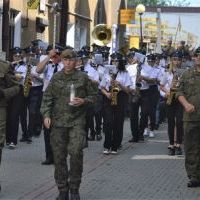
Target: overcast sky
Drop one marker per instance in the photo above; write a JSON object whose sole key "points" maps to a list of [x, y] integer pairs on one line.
{"points": [[194, 2]]}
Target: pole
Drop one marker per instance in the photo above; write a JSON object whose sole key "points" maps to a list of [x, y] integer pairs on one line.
{"points": [[158, 41], [6, 28], [54, 28], [141, 36], [64, 22]]}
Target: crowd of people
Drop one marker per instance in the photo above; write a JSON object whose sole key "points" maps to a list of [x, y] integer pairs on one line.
{"points": [[77, 96]]}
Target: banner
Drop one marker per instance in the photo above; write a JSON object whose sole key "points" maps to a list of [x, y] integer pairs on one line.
{"points": [[33, 4], [134, 41], [127, 16]]}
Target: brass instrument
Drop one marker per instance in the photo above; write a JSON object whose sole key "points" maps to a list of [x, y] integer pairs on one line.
{"points": [[114, 91], [102, 34], [27, 81], [173, 89]]}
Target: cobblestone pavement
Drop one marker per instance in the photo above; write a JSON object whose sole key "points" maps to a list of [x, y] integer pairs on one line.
{"points": [[141, 171]]}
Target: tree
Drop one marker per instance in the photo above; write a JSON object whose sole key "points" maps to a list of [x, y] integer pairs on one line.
{"points": [[179, 3]]}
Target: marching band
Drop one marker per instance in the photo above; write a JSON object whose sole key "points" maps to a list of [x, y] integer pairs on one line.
{"points": [[133, 83]]}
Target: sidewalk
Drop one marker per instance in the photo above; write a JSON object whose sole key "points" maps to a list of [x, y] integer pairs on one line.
{"points": [[141, 171]]}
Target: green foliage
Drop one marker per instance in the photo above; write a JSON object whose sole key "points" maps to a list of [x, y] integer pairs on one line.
{"points": [[179, 3]]}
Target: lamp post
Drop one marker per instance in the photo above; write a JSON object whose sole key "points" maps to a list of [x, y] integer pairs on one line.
{"points": [[140, 9]]}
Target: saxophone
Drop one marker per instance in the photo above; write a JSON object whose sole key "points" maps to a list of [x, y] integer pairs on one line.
{"points": [[173, 89], [27, 81], [114, 91]]}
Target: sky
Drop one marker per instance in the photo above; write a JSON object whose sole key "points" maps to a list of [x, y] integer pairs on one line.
{"points": [[194, 2]]}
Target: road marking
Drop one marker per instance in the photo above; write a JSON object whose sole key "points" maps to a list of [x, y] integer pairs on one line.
{"points": [[156, 157], [158, 141]]}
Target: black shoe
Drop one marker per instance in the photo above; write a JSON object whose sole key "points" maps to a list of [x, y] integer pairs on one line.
{"points": [[47, 162], [178, 151], [74, 194], [63, 196], [131, 140], [23, 139], [98, 137], [193, 182], [28, 140], [156, 126], [171, 152], [141, 138]]}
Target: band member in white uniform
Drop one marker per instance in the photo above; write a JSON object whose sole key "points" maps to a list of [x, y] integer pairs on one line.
{"points": [[49, 65], [17, 103], [115, 88], [94, 77], [169, 85]]}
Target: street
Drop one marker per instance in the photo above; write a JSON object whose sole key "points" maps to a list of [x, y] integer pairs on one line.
{"points": [[141, 171]]}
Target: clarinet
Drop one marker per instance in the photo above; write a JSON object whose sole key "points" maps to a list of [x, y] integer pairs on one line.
{"points": [[138, 85]]}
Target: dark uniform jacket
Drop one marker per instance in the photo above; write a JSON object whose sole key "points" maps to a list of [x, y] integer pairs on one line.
{"points": [[55, 103], [190, 89], [8, 84]]}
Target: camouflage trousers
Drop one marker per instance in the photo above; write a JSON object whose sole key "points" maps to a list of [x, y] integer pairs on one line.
{"points": [[192, 149], [66, 141], [2, 128]]}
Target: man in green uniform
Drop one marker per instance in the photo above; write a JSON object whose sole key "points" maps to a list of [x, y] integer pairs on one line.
{"points": [[8, 88], [189, 96], [63, 108]]}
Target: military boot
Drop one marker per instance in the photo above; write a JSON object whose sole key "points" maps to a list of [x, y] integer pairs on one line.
{"points": [[63, 195], [74, 194]]}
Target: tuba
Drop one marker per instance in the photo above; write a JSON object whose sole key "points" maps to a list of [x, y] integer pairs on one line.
{"points": [[102, 34]]}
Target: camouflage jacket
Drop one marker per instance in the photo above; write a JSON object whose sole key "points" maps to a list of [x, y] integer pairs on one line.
{"points": [[8, 83], [189, 87], [55, 103]]}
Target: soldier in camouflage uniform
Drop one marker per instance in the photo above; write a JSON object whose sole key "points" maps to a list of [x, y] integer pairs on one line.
{"points": [[66, 116], [189, 96], [8, 88]]}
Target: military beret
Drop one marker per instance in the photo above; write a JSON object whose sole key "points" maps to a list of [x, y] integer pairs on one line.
{"points": [[68, 53]]}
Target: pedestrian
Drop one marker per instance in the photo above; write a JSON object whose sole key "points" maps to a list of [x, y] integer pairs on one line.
{"points": [[189, 96], [64, 108], [8, 88]]}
